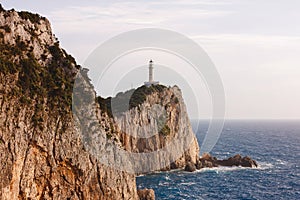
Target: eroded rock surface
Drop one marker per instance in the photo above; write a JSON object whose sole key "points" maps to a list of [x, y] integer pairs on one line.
{"points": [[208, 161], [41, 151], [146, 194]]}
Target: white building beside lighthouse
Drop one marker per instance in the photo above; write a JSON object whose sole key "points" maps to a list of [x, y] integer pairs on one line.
{"points": [[151, 81]]}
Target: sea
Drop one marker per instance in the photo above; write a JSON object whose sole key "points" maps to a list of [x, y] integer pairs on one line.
{"points": [[274, 144]]}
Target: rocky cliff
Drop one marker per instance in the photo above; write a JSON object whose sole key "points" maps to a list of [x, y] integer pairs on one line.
{"points": [[43, 154], [158, 122]]}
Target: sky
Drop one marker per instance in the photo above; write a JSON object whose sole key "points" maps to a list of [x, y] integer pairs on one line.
{"points": [[254, 44]]}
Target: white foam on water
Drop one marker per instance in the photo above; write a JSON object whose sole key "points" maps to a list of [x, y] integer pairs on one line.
{"points": [[281, 162], [167, 177], [165, 183], [261, 166], [220, 169], [264, 166], [188, 183]]}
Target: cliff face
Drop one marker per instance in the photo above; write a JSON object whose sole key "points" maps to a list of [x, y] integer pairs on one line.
{"points": [[43, 154], [148, 128], [159, 123]]}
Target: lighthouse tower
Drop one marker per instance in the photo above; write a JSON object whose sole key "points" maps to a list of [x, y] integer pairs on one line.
{"points": [[150, 71], [151, 81]]}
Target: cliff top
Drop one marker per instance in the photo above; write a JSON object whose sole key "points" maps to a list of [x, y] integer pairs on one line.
{"points": [[29, 55], [130, 99]]}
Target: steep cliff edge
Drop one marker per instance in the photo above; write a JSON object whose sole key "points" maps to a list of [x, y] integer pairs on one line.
{"points": [[43, 154], [158, 118]]}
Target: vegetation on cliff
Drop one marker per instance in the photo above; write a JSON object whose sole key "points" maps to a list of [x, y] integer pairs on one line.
{"points": [[125, 101], [42, 155], [1, 8], [140, 94], [34, 18], [36, 82]]}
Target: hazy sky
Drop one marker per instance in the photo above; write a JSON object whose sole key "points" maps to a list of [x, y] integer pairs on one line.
{"points": [[254, 44]]}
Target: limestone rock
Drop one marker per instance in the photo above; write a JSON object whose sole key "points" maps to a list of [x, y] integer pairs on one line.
{"points": [[238, 160], [146, 194], [190, 167], [248, 162], [143, 123], [41, 152], [198, 164]]}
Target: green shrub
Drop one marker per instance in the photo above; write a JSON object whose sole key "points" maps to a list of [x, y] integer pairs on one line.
{"points": [[105, 105], [108, 135], [7, 66], [55, 51], [34, 18], [127, 100], [1, 8], [139, 95], [165, 130], [6, 28], [43, 57], [176, 100], [25, 100], [21, 45]]}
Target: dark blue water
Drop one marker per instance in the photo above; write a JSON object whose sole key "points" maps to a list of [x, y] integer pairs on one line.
{"points": [[274, 144]]}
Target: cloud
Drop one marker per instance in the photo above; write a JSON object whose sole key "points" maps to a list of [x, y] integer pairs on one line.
{"points": [[249, 39], [133, 14]]}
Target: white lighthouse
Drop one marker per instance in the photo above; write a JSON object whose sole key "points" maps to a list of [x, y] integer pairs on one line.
{"points": [[151, 81], [150, 71]]}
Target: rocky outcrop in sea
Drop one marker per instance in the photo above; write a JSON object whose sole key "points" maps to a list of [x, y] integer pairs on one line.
{"points": [[208, 161]]}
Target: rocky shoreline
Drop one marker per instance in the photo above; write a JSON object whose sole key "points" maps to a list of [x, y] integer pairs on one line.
{"points": [[208, 161]]}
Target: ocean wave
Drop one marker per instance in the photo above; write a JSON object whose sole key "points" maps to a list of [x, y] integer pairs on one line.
{"points": [[220, 169], [261, 166], [167, 177], [264, 166], [163, 183], [281, 162], [188, 183], [273, 145]]}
